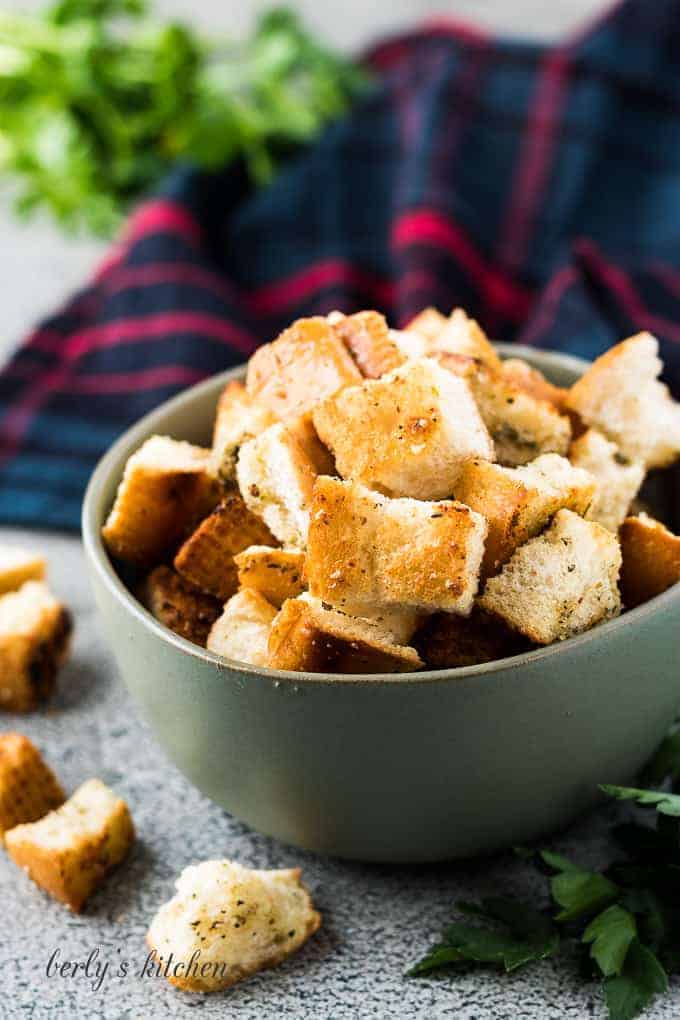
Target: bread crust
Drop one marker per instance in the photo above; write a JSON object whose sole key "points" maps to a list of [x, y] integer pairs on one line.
{"points": [[179, 606], [238, 418], [28, 786], [35, 633], [367, 338], [446, 641], [651, 559], [277, 574], [523, 375]]}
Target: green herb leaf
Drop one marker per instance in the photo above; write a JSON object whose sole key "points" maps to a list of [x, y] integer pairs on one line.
{"points": [[643, 978], [665, 803], [610, 933], [665, 763], [580, 893]]}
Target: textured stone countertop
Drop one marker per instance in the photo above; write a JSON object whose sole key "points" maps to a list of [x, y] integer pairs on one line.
{"points": [[377, 919]]}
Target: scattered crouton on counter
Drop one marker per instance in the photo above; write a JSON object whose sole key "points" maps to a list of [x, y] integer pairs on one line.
{"points": [[651, 559], [28, 786], [242, 631], [617, 479], [35, 630], [277, 574], [179, 606], [18, 566]]}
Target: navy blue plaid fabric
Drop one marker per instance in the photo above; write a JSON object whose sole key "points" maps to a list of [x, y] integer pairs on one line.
{"points": [[539, 187]]}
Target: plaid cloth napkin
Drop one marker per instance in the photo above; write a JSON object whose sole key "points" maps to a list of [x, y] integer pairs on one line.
{"points": [[539, 187]]}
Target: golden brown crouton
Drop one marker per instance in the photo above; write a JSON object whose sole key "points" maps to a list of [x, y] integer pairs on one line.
{"points": [[34, 639], [367, 551], [521, 374], [69, 851], [463, 336], [277, 574], [306, 363], [308, 637], [242, 630], [429, 323], [178, 606], [18, 566], [446, 641], [206, 560], [367, 338], [651, 559], [28, 786], [226, 922], [617, 479], [238, 419], [166, 488]]}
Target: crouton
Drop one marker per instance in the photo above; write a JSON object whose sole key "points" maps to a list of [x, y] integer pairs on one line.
{"points": [[34, 639], [446, 641], [166, 488], [369, 341], [306, 363], [277, 574], [276, 473], [617, 480], [206, 559], [463, 336], [559, 584], [28, 786], [519, 502], [409, 344], [238, 419], [308, 637], [17, 566], [407, 434], [429, 323], [226, 922], [178, 606], [651, 559], [367, 550], [242, 630], [621, 396], [69, 851], [521, 374]]}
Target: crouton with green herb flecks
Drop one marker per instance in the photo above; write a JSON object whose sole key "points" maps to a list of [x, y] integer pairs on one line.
{"points": [[238, 418], [617, 479], [277, 574]]}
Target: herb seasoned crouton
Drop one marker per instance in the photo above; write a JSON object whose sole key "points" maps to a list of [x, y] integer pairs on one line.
{"points": [[242, 630], [559, 584], [429, 323], [621, 395], [368, 551], [308, 637], [406, 434], [463, 336], [306, 363], [446, 641], [617, 480], [28, 786], [276, 473], [226, 922], [18, 566], [166, 488], [369, 341], [34, 639], [178, 606], [277, 574], [238, 419], [651, 559], [519, 502], [206, 559], [69, 851], [521, 374]]}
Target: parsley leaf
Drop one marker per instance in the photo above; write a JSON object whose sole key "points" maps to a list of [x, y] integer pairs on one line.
{"points": [[665, 803], [579, 893], [610, 933], [643, 978]]}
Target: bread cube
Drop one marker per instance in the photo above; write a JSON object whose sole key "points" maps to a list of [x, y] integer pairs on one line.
{"points": [[406, 434], [277, 574], [166, 488], [521, 374], [35, 630], [238, 419], [226, 922], [276, 473], [242, 631], [69, 851], [308, 637], [18, 566], [617, 480], [559, 584], [621, 396], [369, 341], [368, 551], [519, 502], [429, 324], [179, 606], [651, 559], [463, 336], [446, 641], [206, 559], [306, 363], [28, 786], [409, 344]]}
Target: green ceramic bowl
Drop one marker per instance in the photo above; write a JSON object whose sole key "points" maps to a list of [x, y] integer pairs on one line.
{"points": [[410, 767]]}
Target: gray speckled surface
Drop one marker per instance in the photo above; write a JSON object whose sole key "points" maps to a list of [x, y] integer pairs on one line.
{"points": [[376, 919]]}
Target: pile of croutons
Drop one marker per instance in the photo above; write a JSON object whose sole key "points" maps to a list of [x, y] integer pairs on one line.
{"points": [[381, 501]]}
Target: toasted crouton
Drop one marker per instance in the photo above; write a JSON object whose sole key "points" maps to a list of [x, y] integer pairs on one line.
{"points": [[369, 341], [409, 344], [226, 922], [166, 488], [559, 584], [178, 606], [69, 851], [307, 637], [238, 419], [429, 323], [18, 566], [618, 480], [521, 374], [306, 363], [242, 630], [463, 336], [446, 641], [277, 574], [407, 434], [368, 551], [621, 395], [651, 559], [28, 786], [34, 639], [206, 559], [519, 502], [276, 473]]}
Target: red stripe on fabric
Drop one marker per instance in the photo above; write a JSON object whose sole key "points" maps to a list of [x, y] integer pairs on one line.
{"points": [[154, 273], [451, 28], [19, 416], [122, 382], [164, 216], [668, 276], [274, 298], [550, 302]]}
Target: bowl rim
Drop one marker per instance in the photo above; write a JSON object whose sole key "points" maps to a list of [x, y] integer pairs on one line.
{"points": [[99, 560]]}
